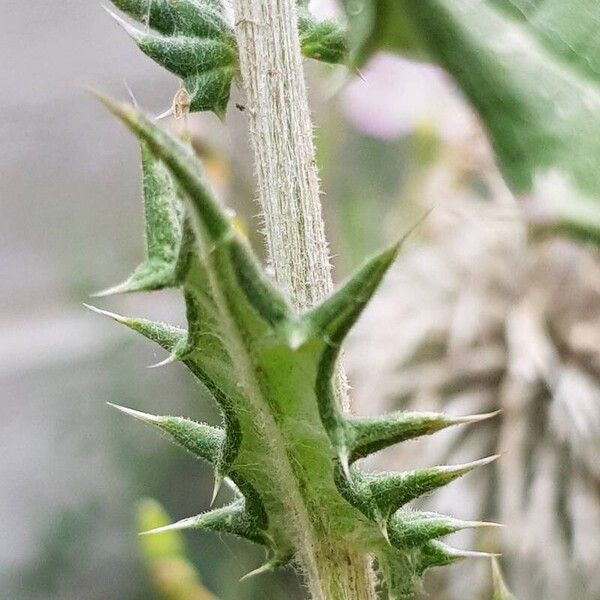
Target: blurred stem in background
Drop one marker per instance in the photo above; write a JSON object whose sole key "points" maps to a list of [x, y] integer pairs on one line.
{"points": [[172, 574]]}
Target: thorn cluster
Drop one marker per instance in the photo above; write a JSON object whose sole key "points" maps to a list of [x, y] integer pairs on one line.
{"points": [[289, 451]]}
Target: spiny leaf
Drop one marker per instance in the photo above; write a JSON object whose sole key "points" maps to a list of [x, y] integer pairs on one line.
{"points": [[322, 40], [330, 322], [271, 373], [233, 519], [163, 231], [333, 318], [166, 336], [202, 342], [206, 64], [189, 17], [171, 339], [379, 495], [183, 165], [201, 440], [213, 224], [438, 554], [366, 435], [501, 591], [182, 55], [407, 529], [392, 491]]}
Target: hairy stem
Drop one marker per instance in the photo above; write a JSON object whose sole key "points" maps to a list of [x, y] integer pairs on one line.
{"points": [[282, 140], [288, 188]]}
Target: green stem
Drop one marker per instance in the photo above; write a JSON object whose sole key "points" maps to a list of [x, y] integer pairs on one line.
{"points": [[288, 188]]}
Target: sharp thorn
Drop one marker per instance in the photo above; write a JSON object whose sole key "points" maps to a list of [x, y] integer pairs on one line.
{"points": [[183, 524], [167, 361], [105, 313], [483, 461], [136, 414], [131, 94], [167, 113], [476, 418], [259, 571], [216, 488], [344, 459], [477, 524], [384, 531], [113, 290], [130, 29], [475, 554]]}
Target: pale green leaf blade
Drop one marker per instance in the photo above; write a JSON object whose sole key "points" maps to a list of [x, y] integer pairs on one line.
{"points": [[532, 72]]}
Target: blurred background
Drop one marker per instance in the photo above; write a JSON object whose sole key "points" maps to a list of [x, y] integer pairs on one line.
{"points": [[479, 314]]}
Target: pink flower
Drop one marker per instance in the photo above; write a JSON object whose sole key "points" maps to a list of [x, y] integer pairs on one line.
{"points": [[398, 95]]}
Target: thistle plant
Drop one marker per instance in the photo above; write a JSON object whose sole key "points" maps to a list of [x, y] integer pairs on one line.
{"points": [[267, 350]]}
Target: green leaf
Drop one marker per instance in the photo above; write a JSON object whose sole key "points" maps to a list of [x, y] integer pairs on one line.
{"points": [[532, 71], [232, 518], [166, 336], [196, 44], [283, 442], [163, 232], [322, 40], [330, 322], [379, 495], [408, 529], [193, 40], [366, 435], [438, 554], [200, 18], [201, 440]]}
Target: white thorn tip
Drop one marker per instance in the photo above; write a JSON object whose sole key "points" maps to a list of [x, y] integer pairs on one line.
{"points": [[183, 524], [216, 488], [474, 554], [130, 29], [259, 571], [344, 459], [468, 467], [136, 414], [120, 288], [479, 524], [131, 94], [481, 462], [106, 313], [475, 418], [384, 531], [168, 113], [167, 361], [487, 460]]}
